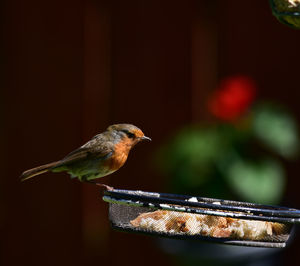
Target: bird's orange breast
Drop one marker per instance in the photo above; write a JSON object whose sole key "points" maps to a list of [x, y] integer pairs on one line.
{"points": [[119, 157]]}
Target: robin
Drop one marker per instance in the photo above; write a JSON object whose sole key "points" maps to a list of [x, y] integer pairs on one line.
{"points": [[104, 154]]}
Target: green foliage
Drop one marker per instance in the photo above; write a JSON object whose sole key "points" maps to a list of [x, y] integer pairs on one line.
{"points": [[261, 181], [190, 156], [276, 129], [229, 159]]}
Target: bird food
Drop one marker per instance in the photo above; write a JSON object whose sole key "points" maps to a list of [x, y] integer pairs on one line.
{"points": [[207, 225], [205, 219]]}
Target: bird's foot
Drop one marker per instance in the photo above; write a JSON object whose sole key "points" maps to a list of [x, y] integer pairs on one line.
{"points": [[105, 186]]}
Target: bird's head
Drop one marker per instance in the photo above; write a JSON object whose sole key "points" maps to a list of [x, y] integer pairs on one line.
{"points": [[129, 133]]}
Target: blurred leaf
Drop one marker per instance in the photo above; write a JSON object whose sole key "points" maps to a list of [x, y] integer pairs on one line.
{"points": [[190, 157], [276, 129], [261, 181], [216, 160]]}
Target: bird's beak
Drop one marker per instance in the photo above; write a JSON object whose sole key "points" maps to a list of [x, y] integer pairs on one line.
{"points": [[145, 138]]}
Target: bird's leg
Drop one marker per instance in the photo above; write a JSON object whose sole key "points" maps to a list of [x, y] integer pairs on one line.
{"points": [[105, 186], [100, 185], [85, 179]]}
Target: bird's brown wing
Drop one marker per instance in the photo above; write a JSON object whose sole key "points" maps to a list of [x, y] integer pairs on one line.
{"points": [[95, 148]]}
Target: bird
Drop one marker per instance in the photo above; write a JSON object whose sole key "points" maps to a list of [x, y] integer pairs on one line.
{"points": [[104, 154]]}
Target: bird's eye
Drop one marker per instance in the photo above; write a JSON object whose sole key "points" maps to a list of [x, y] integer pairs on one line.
{"points": [[129, 134]]}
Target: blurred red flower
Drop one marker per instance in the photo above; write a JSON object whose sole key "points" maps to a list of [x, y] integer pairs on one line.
{"points": [[233, 97]]}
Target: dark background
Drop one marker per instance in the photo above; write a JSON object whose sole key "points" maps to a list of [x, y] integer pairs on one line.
{"points": [[71, 68]]}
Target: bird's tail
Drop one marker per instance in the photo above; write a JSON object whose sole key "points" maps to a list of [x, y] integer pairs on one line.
{"points": [[37, 171]]}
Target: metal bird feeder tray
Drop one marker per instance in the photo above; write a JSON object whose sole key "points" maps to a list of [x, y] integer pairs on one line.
{"points": [[198, 218]]}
